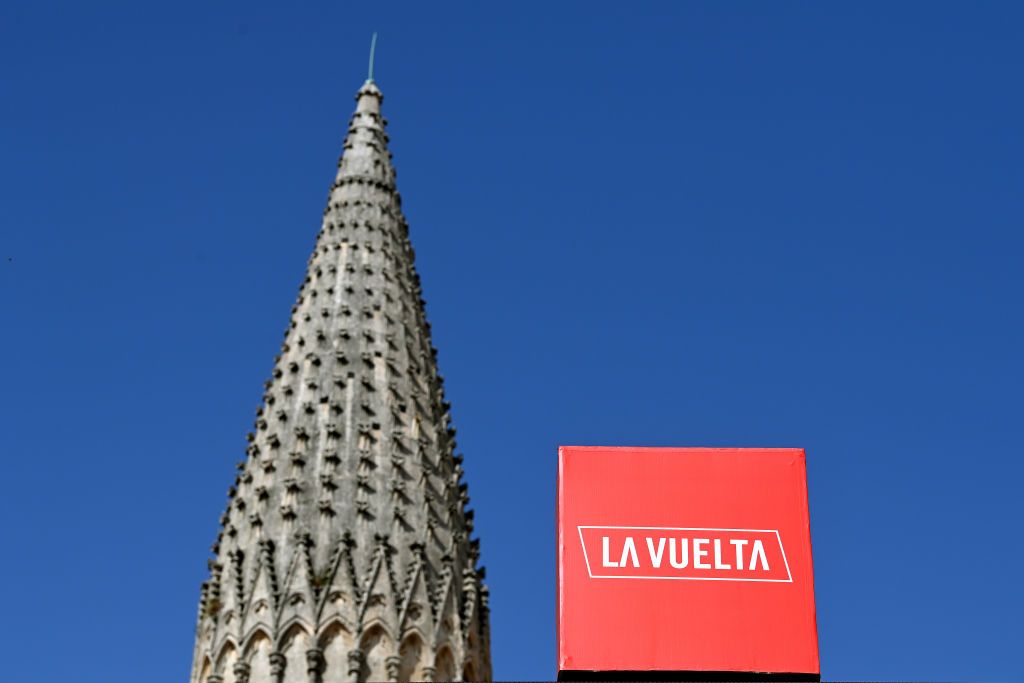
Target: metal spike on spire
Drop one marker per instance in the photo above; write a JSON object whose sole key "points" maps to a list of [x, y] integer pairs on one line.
{"points": [[373, 49]]}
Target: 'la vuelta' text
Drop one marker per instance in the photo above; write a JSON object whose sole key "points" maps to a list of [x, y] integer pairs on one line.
{"points": [[679, 554], [684, 553]]}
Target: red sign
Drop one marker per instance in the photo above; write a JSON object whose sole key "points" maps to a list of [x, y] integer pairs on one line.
{"points": [[684, 559]]}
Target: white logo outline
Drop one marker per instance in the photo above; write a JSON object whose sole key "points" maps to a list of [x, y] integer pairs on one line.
{"points": [[782, 548]]}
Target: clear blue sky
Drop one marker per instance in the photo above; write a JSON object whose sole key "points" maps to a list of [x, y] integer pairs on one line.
{"points": [[746, 224]]}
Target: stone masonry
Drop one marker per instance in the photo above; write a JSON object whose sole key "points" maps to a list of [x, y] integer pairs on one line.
{"points": [[345, 553]]}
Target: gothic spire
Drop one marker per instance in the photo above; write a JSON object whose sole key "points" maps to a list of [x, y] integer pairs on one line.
{"points": [[345, 553]]}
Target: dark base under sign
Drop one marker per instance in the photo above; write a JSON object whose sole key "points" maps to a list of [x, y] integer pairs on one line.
{"points": [[683, 676]]}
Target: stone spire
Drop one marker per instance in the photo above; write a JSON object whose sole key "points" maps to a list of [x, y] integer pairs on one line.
{"points": [[344, 553]]}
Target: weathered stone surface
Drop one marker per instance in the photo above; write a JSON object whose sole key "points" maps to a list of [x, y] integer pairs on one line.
{"points": [[344, 553]]}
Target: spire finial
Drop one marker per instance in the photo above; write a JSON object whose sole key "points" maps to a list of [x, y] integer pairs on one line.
{"points": [[373, 48]]}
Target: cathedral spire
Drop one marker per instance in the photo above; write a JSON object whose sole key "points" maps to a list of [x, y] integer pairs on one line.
{"points": [[345, 552]]}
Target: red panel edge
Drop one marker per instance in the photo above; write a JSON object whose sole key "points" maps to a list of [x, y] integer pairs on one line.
{"points": [[810, 556], [559, 501]]}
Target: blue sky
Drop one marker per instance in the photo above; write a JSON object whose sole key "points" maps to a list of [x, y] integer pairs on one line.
{"points": [[735, 224]]}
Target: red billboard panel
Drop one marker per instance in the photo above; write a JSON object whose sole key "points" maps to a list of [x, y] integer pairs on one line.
{"points": [[684, 560]]}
